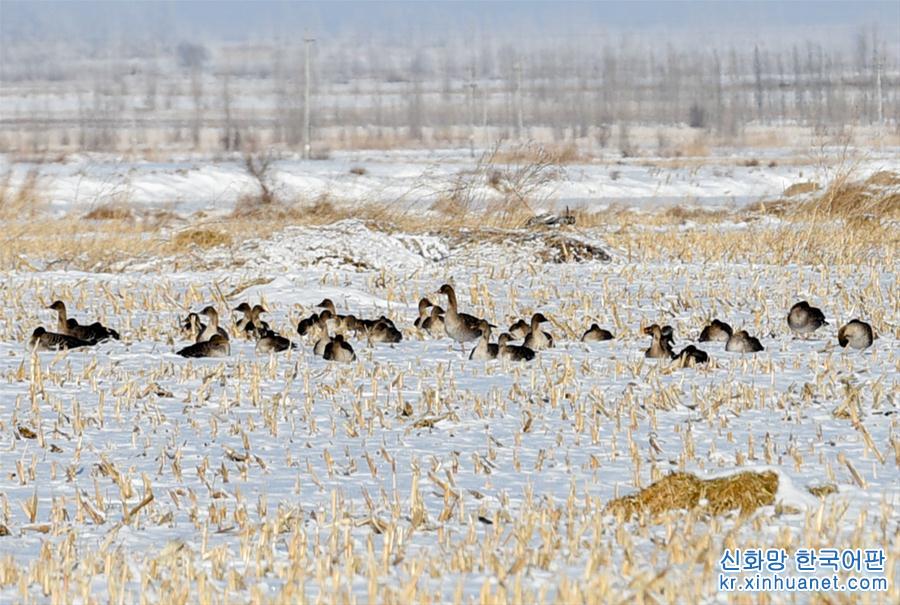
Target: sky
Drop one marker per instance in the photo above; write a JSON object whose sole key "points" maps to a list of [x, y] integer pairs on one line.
{"points": [[243, 20]]}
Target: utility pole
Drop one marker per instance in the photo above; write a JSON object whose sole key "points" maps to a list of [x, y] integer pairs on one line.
{"points": [[471, 87], [307, 128], [519, 121], [878, 92]]}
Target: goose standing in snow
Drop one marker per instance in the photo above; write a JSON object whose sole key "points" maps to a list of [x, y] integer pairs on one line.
{"points": [[856, 333], [804, 319], [461, 327], [42, 340]]}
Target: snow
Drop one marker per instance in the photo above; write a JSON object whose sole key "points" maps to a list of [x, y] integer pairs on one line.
{"points": [[271, 425]]}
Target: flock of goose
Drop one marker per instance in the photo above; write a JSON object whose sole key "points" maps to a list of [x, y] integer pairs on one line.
{"points": [[328, 330]]}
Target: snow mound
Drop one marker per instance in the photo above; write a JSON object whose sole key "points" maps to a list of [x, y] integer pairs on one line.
{"points": [[345, 244]]}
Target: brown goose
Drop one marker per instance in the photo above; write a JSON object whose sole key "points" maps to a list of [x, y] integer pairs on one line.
{"points": [[320, 337], [691, 355], [718, 331], [270, 342], [485, 349], [804, 319], [424, 304], [856, 333], [742, 342], [339, 350], [661, 347], [42, 340], [92, 334], [337, 321], [434, 323], [461, 327], [216, 346], [519, 330], [212, 327], [245, 321], [596, 334], [537, 339], [191, 327], [513, 352], [383, 331], [307, 324]]}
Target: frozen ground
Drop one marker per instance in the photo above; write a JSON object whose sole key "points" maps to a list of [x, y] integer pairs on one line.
{"points": [[415, 474], [188, 184]]}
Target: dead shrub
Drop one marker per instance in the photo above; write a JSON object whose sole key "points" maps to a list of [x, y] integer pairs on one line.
{"points": [[745, 491], [200, 238], [113, 211], [801, 188]]}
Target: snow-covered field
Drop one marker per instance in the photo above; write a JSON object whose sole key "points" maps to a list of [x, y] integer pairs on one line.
{"points": [[187, 184], [132, 475]]}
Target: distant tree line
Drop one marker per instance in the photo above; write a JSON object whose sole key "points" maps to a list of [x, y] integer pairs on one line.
{"points": [[234, 96]]}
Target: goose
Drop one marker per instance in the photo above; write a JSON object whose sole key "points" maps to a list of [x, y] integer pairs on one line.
{"points": [[212, 327], [537, 339], [742, 342], [243, 323], [423, 312], [336, 321], [718, 331], [461, 327], [320, 338], [804, 319], [691, 355], [271, 342], [661, 347], [518, 330], [434, 323], [513, 352], [216, 346], [307, 324], [257, 327], [191, 327], [856, 333], [596, 334], [339, 350], [383, 331], [42, 340], [92, 334], [485, 349]]}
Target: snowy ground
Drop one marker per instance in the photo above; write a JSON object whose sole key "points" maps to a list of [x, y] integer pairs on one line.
{"points": [[415, 474], [188, 184]]}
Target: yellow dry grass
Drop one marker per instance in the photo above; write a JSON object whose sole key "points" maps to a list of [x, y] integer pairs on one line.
{"points": [[745, 491]]}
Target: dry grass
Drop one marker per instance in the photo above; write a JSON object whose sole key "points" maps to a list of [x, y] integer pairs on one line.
{"points": [[533, 153], [745, 491], [801, 188], [875, 198], [112, 211], [199, 238], [22, 201]]}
